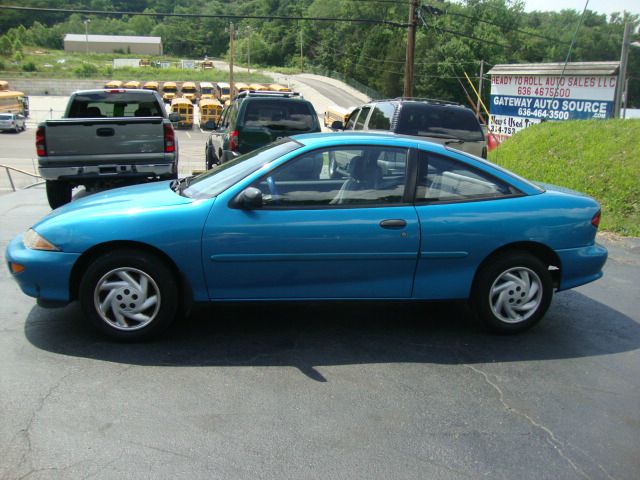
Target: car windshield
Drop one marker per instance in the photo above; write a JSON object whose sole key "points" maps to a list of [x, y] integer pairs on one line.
{"points": [[218, 179], [439, 121]]}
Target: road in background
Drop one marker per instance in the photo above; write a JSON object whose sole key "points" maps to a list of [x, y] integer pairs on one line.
{"points": [[328, 89]]}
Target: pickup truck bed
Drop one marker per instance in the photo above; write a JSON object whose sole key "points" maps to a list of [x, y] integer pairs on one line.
{"points": [[107, 138]]}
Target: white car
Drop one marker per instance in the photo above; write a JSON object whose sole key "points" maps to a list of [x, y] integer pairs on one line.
{"points": [[12, 121]]}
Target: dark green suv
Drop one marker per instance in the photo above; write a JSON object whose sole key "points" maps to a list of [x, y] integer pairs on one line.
{"points": [[255, 119]]}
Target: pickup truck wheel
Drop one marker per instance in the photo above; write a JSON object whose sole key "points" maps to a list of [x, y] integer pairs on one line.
{"points": [[58, 193], [129, 294], [512, 292]]}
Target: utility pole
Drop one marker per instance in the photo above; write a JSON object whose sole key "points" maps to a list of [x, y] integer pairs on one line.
{"points": [[231, 84], [411, 48], [622, 75], [301, 55], [249, 31], [479, 89]]}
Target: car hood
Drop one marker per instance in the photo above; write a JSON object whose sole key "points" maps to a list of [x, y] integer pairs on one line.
{"points": [[155, 195], [152, 214]]}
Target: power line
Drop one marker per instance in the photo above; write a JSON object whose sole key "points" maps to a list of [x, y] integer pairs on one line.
{"points": [[202, 15], [432, 10], [460, 34], [399, 62]]}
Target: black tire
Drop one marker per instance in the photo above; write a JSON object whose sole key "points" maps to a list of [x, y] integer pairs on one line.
{"points": [[512, 292], [58, 193], [129, 295]]}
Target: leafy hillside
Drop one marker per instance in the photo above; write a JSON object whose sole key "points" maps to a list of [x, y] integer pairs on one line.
{"points": [[597, 157]]}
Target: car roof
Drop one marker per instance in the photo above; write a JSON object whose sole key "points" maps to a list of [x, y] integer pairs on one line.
{"points": [[378, 137]]}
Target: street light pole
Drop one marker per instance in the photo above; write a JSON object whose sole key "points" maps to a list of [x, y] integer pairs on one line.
{"points": [[622, 75], [86, 35], [231, 84], [248, 30]]}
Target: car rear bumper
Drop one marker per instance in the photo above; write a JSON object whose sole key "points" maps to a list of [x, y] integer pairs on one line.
{"points": [[581, 265], [46, 274], [106, 171]]}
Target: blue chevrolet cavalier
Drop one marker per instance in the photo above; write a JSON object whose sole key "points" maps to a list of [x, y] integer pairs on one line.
{"points": [[402, 219]]}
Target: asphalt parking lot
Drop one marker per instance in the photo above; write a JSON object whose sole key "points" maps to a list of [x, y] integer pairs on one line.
{"points": [[336, 390]]}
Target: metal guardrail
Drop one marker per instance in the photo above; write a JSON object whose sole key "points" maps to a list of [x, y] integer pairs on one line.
{"points": [[9, 169]]}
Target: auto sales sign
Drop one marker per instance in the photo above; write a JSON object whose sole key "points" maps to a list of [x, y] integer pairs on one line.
{"points": [[523, 95]]}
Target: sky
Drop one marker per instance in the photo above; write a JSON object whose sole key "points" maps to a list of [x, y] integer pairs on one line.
{"points": [[600, 6]]}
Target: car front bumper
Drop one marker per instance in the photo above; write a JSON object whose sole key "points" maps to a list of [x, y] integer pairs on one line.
{"points": [[46, 275]]}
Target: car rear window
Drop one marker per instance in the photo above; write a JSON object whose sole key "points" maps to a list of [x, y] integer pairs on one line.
{"points": [[277, 114], [439, 121], [108, 105], [6, 117]]}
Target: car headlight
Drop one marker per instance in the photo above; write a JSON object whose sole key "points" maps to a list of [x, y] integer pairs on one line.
{"points": [[35, 241]]}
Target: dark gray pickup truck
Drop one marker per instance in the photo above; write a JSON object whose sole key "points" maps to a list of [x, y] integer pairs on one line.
{"points": [[106, 138]]}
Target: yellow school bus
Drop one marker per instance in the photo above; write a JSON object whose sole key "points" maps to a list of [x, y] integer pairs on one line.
{"points": [[241, 87], [333, 113], [222, 91], [132, 84], [206, 91], [13, 101], [210, 110], [169, 91], [258, 87], [151, 86], [113, 84], [276, 87], [183, 107], [189, 91]]}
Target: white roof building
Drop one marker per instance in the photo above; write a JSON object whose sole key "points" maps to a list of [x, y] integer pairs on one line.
{"points": [[113, 43]]}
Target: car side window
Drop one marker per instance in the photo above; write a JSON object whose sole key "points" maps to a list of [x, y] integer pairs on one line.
{"points": [[223, 118], [362, 118], [352, 119], [442, 179], [381, 117], [373, 176]]}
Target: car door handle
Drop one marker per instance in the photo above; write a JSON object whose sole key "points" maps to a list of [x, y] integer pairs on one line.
{"points": [[105, 132], [393, 223]]}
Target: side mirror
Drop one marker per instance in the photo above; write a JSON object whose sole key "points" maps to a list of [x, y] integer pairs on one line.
{"points": [[249, 198], [174, 117], [337, 125]]}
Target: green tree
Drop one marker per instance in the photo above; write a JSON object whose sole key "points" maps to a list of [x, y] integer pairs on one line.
{"points": [[6, 47]]}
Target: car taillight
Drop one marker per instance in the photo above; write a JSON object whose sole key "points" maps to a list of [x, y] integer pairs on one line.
{"points": [[595, 221], [169, 139], [233, 141], [41, 144]]}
